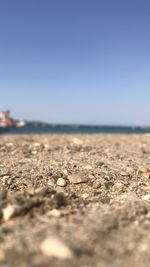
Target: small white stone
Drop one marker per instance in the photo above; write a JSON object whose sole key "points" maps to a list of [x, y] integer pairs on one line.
{"points": [[8, 212], [61, 182], [146, 197], [54, 247], [54, 213]]}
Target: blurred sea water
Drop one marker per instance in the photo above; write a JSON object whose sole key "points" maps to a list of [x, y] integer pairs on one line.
{"points": [[38, 128]]}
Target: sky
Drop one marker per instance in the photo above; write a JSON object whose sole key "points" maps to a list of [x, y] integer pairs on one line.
{"points": [[76, 61]]}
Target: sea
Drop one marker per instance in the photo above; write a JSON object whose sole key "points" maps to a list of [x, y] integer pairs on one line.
{"points": [[40, 128]]}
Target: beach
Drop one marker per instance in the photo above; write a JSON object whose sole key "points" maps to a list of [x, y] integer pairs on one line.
{"points": [[75, 200]]}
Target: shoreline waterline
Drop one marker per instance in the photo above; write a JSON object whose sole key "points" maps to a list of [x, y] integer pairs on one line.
{"points": [[73, 129]]}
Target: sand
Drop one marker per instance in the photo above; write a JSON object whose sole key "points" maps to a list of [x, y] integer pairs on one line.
{"points": [[74, 200]]}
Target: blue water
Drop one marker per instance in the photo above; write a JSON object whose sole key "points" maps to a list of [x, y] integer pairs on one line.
{"points": [[48, 129]]}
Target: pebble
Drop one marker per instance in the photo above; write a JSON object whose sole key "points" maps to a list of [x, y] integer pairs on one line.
{"points": [[146, 197], [51, 183], [130, 170], [61, 182], [96, 185], [146, 175], [55, 247], [54, 213], [42, 191], [77, 179], [124, 174], [65, 172], [87, 167], [108, 184], [5, 177], [91, 176], [8, 212], [99, 163], [143, 170]]}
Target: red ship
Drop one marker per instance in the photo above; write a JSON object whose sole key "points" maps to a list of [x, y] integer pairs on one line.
{"points": [[6, 122]]}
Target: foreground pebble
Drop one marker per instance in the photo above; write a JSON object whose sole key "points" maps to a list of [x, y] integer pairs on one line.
{"points": [[54, 247], [61, 182], [77, 179], [54, 213], [146, 197], [8, 212]]}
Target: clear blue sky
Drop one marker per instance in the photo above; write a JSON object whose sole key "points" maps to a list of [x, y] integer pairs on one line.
{"points": [[76, 61]]}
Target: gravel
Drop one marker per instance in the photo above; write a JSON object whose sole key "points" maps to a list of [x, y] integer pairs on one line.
{"points": [[74, 200]]}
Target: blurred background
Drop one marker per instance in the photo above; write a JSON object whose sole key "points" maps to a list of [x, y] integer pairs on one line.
{"points": [[76, 62]]}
